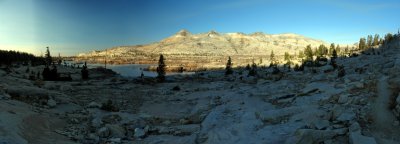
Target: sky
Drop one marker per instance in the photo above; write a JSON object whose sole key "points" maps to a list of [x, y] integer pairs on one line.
{"points": [[70, 27]]}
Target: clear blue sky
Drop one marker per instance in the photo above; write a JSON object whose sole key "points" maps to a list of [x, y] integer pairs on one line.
{"points": [[74, 26]]}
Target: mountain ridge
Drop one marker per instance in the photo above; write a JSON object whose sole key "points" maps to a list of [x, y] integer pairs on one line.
{"points": [[213, 42]]}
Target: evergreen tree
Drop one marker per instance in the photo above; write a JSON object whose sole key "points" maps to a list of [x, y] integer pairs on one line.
{"points": [[369, 41], [272, 57], [248, 67], [334, 54], [322, 51], [48, 58], [331, 48], [388, 37], [287, 56], [376, 40], [308, 53], [228, 68], [337, 49], [161, 69], [362, 44]]}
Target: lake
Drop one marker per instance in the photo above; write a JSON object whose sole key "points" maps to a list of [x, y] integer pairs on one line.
{"points": [[133, 70]]}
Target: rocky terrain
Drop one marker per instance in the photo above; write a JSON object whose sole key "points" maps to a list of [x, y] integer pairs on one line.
{"points": [[205, 50], [362, 107]]}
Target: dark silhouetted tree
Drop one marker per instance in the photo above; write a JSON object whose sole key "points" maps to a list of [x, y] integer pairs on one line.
{"points": [[253, 70], [48, 58], [331, 48], [228, 69], [272, 57], [334, 54], [85, 72], [248, 67], [161, 69]]}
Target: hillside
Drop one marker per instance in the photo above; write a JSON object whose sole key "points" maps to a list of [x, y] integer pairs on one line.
{"points": [[184, 46]]}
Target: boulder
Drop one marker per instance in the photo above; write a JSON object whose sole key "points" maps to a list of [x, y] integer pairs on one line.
{"points": [[357, 138], [343, 99], [111, 119], [115, 140], [139, 133], [51, 103], [321, 124], [355, 127], [103, 132], [358, 85], [116, 131], [346, 117], [308, 136], [93, 105]]}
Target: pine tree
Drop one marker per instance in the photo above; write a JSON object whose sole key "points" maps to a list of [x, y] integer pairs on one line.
{"points": [[334, 54], [272, 57], [388, 37], [376, 40], [48, 58], [287, 58], [369, 41], [228, 67], [248, 67], [308, 53], [362, 44], [161, 69], [337, 49], [331, 48], [322, 51]]}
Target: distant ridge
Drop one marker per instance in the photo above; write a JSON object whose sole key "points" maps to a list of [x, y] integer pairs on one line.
{"points": [[214, 43]]}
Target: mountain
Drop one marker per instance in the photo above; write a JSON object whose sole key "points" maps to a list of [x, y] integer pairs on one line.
{"points": [[214, 43], [205, 50]]}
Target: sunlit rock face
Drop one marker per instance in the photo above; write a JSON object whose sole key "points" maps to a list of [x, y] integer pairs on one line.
{"points": [[212, 42]]}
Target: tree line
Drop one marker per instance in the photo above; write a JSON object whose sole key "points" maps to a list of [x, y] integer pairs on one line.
{"points": [[8, 57]]}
